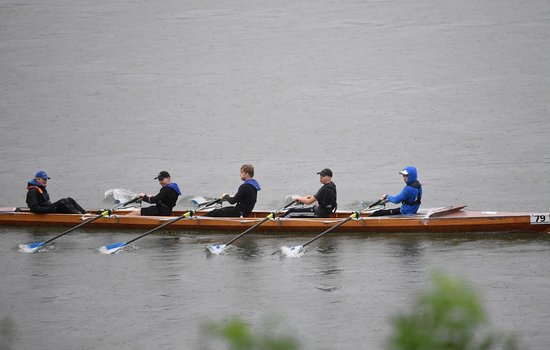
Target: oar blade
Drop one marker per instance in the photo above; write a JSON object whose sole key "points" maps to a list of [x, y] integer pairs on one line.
{"points": [[31, 247], [293, 252], [112, 248], [216, 249], [198, 200]]}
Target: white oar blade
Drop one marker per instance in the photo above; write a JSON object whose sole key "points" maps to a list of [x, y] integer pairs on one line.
{"points": [[112, 248], [31, 247], [198, 200], [118, 195], [216, 248], [293, 252]]}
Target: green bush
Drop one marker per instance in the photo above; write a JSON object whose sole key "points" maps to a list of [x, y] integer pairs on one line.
{"points": [[448, 317], [239, 336]]}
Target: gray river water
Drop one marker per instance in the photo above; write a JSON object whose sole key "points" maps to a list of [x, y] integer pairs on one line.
{"points": [[104, 94]]}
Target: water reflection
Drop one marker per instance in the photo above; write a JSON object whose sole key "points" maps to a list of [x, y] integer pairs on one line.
{"points": [[329, 273], [410, 250], [249, 250], [327, 246]]}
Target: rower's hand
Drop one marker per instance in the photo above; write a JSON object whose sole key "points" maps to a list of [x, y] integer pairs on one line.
{"points": [[141, 195], [384, 197], [224, 196]]}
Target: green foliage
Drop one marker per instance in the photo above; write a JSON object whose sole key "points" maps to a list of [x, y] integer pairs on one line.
{"points": [[239, 337], [449, 317], [7, 333]]}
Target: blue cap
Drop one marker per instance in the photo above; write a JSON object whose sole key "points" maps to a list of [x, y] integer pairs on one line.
{"points": [[41, 174]]}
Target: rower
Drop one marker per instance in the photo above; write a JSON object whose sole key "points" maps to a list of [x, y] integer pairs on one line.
{"points": [[245, 198], [38, 198], [165, 200], [325, 198], [410, 197]]}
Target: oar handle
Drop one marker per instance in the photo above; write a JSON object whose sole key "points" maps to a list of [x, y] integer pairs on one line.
{"points": [[374, 204], [209, 204], [287, 206], [135, 199]]}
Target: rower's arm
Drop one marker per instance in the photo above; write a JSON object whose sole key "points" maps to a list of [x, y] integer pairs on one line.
{"points": [[306, 200]]}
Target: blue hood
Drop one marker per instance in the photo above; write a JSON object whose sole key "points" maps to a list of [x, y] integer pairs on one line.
{"points": [[174, 186], [254, 183], [32, 182], [413, 175]]}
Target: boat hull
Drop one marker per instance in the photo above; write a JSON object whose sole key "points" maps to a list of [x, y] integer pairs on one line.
{"points": [[450, 219]]}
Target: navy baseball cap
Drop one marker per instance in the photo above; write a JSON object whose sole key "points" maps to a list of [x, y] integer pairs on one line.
{"points": [[41, 174], [325, 172], [163, 174]]}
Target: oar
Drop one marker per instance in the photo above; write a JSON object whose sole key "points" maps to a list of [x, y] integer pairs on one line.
{"points": [[299, 248], [218, 248], [378, 202], [114, 247], [32, 247]]}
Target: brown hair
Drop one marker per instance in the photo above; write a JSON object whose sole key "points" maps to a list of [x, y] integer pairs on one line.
{"points": [[248, 168]]}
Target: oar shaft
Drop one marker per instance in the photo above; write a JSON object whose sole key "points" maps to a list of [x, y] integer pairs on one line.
{"points": [[248, 230], [170, 222], [126, 203], [88, 220], [327, 231], [375, 203], [85, 222], [270, 216]]}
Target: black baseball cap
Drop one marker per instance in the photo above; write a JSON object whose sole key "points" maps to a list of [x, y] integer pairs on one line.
{"points": [[325, 172], [163, 174]]}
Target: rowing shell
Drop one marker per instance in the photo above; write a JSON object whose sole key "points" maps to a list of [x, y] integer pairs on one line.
{"points": [[437, 220]]}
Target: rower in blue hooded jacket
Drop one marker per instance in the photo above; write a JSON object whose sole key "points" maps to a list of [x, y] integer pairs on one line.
{"points": [[410, 197]]}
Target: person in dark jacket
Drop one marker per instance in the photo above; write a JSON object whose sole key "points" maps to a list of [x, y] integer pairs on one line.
{"points": [[165, 200], [38, 198], [245, 198], [325, 198], [410, 197]]}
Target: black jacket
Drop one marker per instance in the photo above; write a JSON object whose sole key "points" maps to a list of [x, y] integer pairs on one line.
{"points": [[38, 199], [164, 201], [245, 198]]}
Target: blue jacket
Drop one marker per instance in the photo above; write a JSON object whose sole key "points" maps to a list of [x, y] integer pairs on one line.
{"points": [[411, 194]]}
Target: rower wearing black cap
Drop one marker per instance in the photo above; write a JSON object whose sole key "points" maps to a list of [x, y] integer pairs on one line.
{"points": [[165, 200], [325, 198]]}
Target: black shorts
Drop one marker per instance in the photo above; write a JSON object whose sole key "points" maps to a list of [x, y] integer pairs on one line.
{"points": [[384, 212], [153, 211], [229, 212]]}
